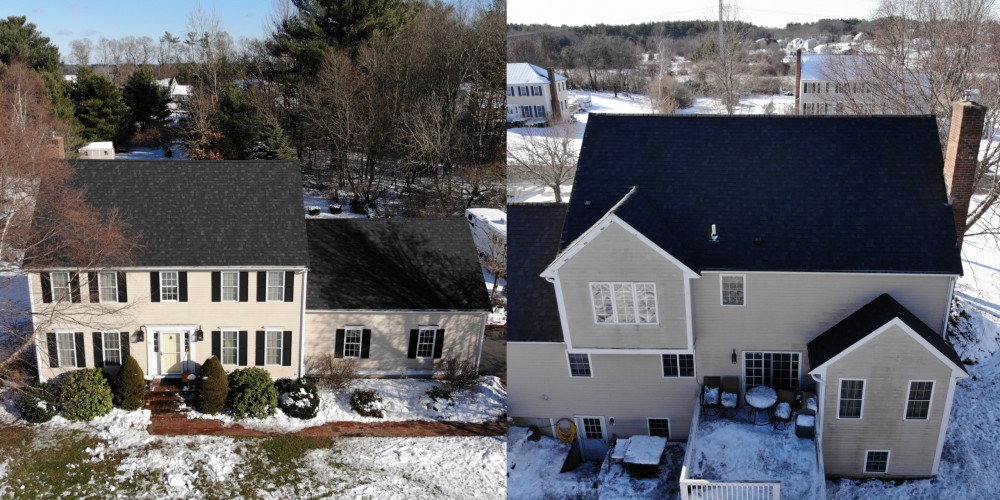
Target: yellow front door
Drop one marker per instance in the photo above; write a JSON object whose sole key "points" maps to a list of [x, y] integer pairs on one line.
{"points": [[170, 353]]}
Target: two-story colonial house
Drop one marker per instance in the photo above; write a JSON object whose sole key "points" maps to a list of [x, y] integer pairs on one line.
{"points": [[694, 246], [535, 94]]}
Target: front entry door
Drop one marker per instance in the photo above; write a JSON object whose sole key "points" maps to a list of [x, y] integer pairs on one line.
{"points": [[171, 354], [593, 437]]}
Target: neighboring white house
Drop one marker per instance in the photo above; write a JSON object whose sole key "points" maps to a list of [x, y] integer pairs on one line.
{"points": [[178, 93], [489, 229], [104, 150], [829, 84], [530, 91]]}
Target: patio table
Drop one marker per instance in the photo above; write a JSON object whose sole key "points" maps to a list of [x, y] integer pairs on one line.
{"points": [[760, 398], [645, 450]]}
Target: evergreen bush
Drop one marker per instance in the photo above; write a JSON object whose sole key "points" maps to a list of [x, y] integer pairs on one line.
{"points": [[298, 398], [252, 393], [38, 403], [85, 394], [130, 386], [211, 387], [367, 403]]}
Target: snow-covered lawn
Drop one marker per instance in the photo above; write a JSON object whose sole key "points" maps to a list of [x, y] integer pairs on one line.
{"points": [[751, 105], [533, 469], [316, 199], [403, 399], [153, 154]]}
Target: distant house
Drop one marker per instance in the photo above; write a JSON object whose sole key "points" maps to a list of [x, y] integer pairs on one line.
{"points": [[830, 84], [799, 268], [178, 93], [535, 94], [98, 151]]}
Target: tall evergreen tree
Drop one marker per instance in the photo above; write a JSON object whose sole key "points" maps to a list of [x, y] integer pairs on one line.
{"points": [[100, 109], [145, 99], [20, 39], [272, 144], [237, 117]]}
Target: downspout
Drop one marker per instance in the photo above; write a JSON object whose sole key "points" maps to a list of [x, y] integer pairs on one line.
{"points": [[302, 325], [34, 329]]}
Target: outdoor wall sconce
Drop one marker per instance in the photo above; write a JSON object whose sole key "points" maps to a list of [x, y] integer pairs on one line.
{"points": [[611, 421], [735, 357], [139, 335], [199, 335]]}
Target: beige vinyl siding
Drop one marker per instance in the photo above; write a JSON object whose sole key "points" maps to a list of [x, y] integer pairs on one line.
{"points": [[630, 388], [617, 256], [391, 335], [887, 363], [199, 310], [784, 311]]}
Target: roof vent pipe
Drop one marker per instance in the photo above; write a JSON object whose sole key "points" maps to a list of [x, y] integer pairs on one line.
{"points": [[715, 235]]}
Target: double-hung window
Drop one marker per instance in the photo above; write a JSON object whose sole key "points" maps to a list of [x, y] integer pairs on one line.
{"points": [[168, 286], [536, 90], [66, 347], [540, 111], [108, 287], [918, 399], [876, 461], [61, 287], [230, 347], [579, 365], [112, 348], [678, 365], [425, 342], [732, 289], [526, 112], [510, 91], [628, 303], [275, 286], [852, 396], [352, 342], [230, 286], [272, 347]]}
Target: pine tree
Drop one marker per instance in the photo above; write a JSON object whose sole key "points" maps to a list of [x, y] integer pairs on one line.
{"points": [[145, 99], [100, 109], [20, 39], [272, 144]]}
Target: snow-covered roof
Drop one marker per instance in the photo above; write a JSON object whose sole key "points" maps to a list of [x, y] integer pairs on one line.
{"points": [[528, 73], [181, 90], [70, 78], [823, 66], [91, 146], [496, 218]]}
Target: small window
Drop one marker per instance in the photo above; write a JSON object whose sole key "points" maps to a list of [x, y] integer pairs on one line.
{"points": [[230, 347], [168, 286], [352, 342], [876, 462], [536, 90], [112, 348], [66, 345], [732, 290], [659, 427], [579, 365], [540, 111], [918, 400], [852, 393], [275, 286], [678, 365], [526, 112], [61, 288], [425, 342], [108, 287], [272, 347], [592, 428]]}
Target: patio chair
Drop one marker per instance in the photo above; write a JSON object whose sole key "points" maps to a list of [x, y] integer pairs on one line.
{"points": [[729, 398], [781, 415], [710, 396]]}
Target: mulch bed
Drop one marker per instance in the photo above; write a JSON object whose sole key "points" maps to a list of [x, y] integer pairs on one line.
{"points": [[180, 425]]}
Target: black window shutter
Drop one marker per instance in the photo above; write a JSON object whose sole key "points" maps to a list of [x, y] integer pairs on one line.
{"points": [[122, 287], [244, 286], [95, 294], [216, 287], [289, 285], [47, 291], [98, 350], [126, 348], [81, 354], [260, 348], [182, 281], [154, 286], [286, 348], [75, 287], [411, 352], [438, 343], [366, 343], [261, 286], [217, 344], [338, 347], [243, 347], [50, 339]]}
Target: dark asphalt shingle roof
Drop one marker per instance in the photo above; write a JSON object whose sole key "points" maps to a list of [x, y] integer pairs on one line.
{"points": [[204, 213], [412, 263], [532, 243], [786, 193], [864, 321]]}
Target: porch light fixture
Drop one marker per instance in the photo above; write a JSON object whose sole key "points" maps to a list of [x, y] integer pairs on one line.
{"points": [[139, 335], [199, 335], [735, 357]]}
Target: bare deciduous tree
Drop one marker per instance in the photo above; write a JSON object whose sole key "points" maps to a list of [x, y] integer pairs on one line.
{"points": [[545, 157], [80, 51], [728, 68]]}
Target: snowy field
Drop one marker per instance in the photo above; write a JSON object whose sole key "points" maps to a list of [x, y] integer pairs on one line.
{"points": [[153, 154]]}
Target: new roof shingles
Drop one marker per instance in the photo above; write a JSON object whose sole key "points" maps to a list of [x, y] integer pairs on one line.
{"points": [[532, 244]]}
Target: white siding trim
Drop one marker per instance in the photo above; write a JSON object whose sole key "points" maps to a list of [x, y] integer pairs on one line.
{"points": [[613, 350], [302, 324], [34, 325], [944, 424], [930, 404], [947, 307], [864, 391], [563, 318]]}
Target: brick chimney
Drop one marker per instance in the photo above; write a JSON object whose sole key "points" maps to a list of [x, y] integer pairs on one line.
{"points": [[554, 96], [961, 157], [54, 148], [798, 77]]}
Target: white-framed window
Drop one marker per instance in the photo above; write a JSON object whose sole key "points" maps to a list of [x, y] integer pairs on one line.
{"points": [[733, 288], [579, 364], [352, 342], [112, 348], [627, 303], [272, 347], [536, 90], [851, 398], [540, 111], [510, 91], [522, 90], [275, 286], [593, 427], [425, 342], [230, 347], [526, 112], [658, 427], [61, 287], [66, 346], [230, 286], [169, 286], [778, 370], [107, 286], [678, 365], [876, 461], [918, 399]]}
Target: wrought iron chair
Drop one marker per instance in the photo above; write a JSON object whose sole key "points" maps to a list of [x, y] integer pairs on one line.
{"points": [[781, 415], [729, 397], [710, 392]]}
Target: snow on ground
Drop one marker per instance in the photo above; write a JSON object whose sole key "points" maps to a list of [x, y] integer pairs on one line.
{"points": [[403, 399], [316, 199], [752, 105], [153, 154], [533, 469], [617, 482]]}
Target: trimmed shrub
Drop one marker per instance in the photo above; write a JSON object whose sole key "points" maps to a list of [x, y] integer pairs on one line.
{"points": [[130, 386], [252, 393], [211, 387], [332, 372], [298, 398], [38, 403], [367, 403], [85, 394]]}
